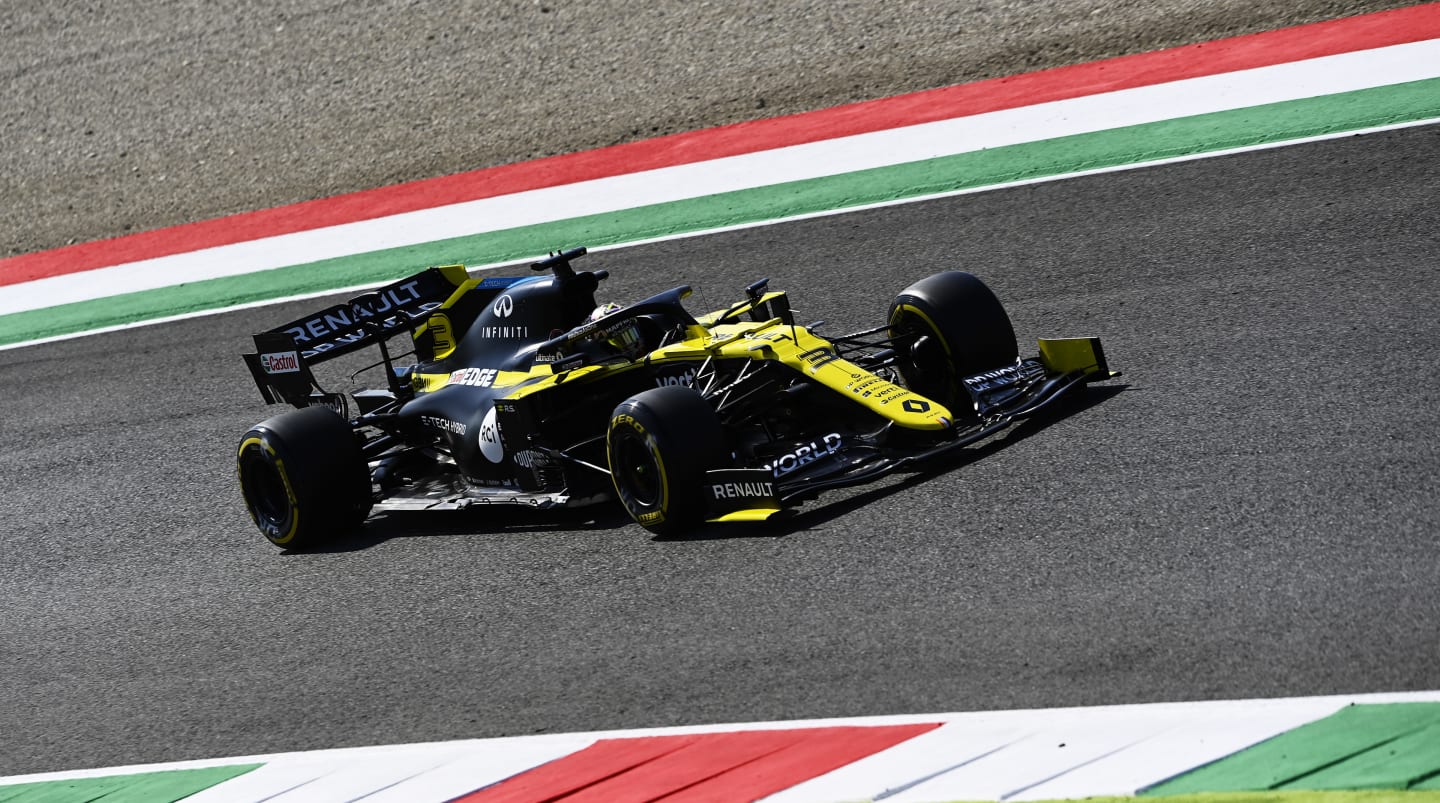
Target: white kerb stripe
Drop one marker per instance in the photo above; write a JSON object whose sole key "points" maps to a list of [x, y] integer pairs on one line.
{"points": [[1305, 79]]}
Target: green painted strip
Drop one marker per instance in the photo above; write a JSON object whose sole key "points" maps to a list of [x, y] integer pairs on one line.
{"points": [[1359, 747], [1401, 103], [1366, 796], [1399, 764], [146, 787]]}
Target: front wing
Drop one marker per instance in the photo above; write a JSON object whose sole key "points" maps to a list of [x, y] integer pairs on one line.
{"points": [[1001, 398]]}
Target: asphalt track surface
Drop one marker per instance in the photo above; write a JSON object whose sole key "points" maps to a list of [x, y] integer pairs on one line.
{"points": [[1250, 511]]}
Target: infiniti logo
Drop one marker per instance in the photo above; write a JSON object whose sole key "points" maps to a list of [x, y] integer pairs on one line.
{"points": [[504, 306]]}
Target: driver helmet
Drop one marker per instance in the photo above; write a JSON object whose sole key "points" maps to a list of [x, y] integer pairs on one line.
{"points": [[601, 311], [625, 340]]}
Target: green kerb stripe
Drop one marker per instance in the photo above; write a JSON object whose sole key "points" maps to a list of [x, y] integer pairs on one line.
{"points": [[1401, 103], [147, 787], [1360, 747], [1367, 796]]}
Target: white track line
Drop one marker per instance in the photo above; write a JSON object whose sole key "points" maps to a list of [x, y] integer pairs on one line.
{"points": [[1240, 89]]}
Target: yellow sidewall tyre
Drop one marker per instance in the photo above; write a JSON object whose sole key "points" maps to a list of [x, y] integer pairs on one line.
{"points": [[303, 478], [966, 331], [659, 444]]}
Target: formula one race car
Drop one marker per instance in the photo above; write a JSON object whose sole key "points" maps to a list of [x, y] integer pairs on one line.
{"points": [[523, 392]]}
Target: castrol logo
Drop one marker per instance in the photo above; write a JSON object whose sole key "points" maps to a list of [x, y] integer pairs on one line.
{"points": [[285, 362]]}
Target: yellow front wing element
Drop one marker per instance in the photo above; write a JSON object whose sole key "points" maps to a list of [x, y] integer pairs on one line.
{"points": [[753, 514], [1063, 355]]}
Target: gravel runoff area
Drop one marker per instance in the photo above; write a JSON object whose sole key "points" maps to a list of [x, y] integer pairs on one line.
{"points": [[121, 117]]}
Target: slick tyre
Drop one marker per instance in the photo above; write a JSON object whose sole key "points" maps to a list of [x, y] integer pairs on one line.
{"points": [[956, 328], [304, 478], [660, 443]]}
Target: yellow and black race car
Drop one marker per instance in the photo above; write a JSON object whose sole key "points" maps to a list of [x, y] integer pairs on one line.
{"points": [[524, 392]]}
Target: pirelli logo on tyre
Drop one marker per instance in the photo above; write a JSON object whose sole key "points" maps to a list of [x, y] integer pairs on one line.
{"points": [[624, 420], [283, 362]]}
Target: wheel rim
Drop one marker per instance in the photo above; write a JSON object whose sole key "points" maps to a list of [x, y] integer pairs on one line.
{"points": [[264, 490], [638, 470], [931, 371]]}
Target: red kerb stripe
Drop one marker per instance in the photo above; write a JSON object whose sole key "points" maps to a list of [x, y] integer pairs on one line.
{"points": [[1399, 26], [743, 765]]}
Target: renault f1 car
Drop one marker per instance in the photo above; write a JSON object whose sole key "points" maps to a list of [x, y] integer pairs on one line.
{"points": [[520, 391]]}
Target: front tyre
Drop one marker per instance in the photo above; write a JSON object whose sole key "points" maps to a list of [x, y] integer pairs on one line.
{"points": [[304, 477], [955, 328], [660, 443]]}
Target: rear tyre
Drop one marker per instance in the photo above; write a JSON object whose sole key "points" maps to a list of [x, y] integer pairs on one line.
{"points": [[304, 478], [958, 328], [660, 443]]}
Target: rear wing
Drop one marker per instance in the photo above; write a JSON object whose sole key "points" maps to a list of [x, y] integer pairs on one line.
{"points": [[283, 355]]}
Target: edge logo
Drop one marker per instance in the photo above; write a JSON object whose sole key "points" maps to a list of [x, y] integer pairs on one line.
{"points": [[474, 377]]}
